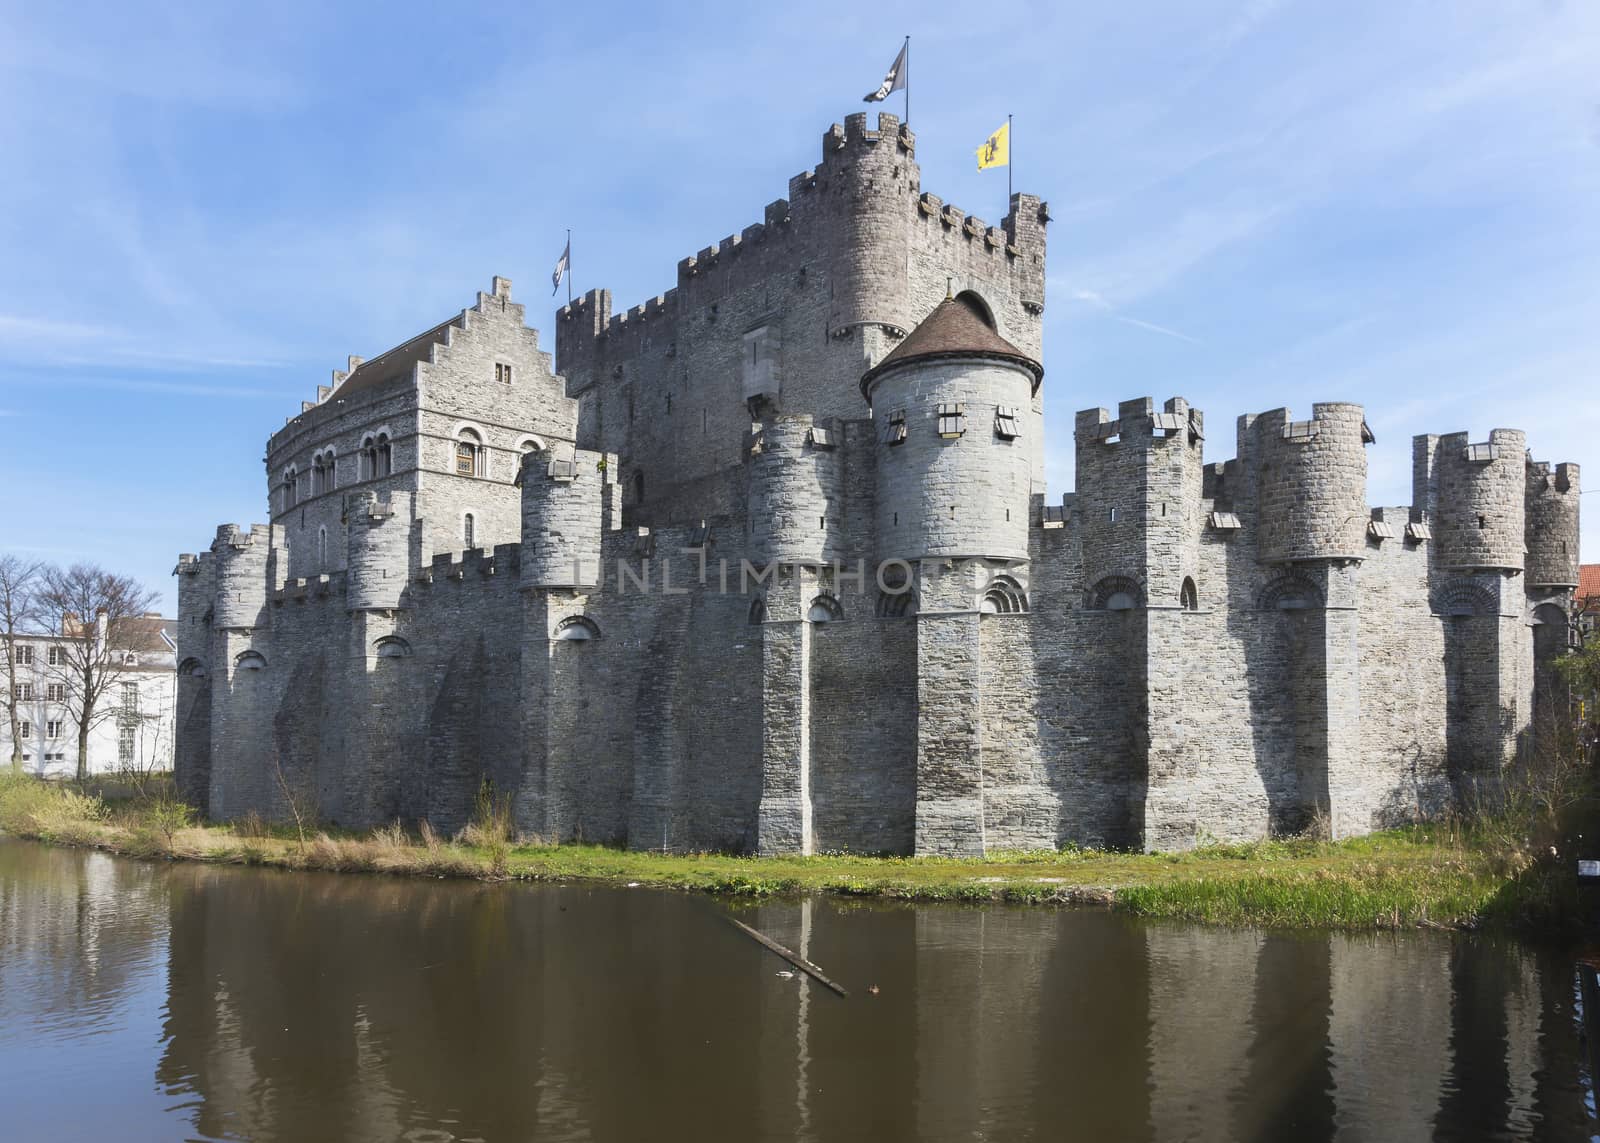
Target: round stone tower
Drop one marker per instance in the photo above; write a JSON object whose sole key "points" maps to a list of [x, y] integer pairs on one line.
{"points": [[1551, 536], [378, 549], [239, 560], [954, 455], [1482, 501], [562, 516], [796, 493], [870, 179], [1312, 484]]}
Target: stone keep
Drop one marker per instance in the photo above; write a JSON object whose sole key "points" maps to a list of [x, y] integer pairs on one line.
{"points": [[770, 566]]}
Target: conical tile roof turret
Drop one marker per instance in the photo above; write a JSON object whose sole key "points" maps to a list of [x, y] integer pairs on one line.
{"points": [[957, 327]]}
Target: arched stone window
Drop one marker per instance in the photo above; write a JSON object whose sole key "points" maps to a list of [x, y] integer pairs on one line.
{"points": [[391, 647], [192, 669], [896, 604], [824, 609], [291, 488], [1114, 593], [1189, 595], [577, 629], [322, 548], [250, 661], [531, 444], [1003, 596], [468, 531], [384, 463], [1290, 593], [469, 453], [367, 466], [1461, 597], [758, 609]]}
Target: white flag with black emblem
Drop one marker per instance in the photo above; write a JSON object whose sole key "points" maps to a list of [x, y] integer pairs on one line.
{"points": [[895, 80], [561, 266]]}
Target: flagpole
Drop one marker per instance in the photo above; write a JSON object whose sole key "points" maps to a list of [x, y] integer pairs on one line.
{"points": [[1011, 148], [569, 265], [908, 81]]}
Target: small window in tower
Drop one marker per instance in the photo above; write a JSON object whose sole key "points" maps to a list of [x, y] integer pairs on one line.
{"points": [[384, 461], [952, 421], [502, 373], [1005, 423], [1112, 515], [894, 429], [467, 530], [1483, 522], [669, 404]]}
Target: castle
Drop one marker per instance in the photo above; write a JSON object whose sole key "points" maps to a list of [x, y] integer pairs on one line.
{"points": [[769, 567]]}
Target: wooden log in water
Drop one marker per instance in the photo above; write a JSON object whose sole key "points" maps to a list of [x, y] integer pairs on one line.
{"points": [[795, 959]]}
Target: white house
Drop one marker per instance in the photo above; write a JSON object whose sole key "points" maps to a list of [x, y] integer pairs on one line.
{"points": [[134, 721]]}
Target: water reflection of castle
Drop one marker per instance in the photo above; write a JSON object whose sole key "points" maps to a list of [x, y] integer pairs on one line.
{"points": [[316, 1007], [321, 1008]]}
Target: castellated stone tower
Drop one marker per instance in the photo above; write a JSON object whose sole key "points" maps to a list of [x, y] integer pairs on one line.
{"points": [[1480, 501], [784, 317], [242, 559], [953, 493], [1551, 526], [1139, 478], [197, 592], [1312, 485], [379, 542], [565, 497], [950, 402], [797, 501]]}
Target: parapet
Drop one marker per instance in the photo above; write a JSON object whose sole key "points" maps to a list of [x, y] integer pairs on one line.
{"points": [[1138, 421]]}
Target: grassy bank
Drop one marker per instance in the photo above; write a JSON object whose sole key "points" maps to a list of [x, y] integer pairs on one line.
{"points": [[1427, 876]]}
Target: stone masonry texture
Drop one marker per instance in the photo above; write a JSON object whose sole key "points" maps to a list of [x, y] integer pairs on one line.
{"points": [[701, 590]]}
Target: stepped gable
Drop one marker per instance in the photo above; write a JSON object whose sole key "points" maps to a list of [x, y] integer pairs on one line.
{"points": [[955, 328]]}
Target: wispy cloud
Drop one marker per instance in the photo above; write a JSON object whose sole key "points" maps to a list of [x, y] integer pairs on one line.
{"points": [[1098, 302]]}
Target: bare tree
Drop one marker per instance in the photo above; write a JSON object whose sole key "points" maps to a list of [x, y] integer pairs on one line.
{"points": [[94, 610], [20, 584]]}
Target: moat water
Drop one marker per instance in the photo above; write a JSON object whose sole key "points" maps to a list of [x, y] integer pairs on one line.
{"points": [[160, 1002]]}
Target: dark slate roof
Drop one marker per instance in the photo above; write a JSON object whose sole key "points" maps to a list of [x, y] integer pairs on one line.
{"points": [[396, 362], [955, 328]]}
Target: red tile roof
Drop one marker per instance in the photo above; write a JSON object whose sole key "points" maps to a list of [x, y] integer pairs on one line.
{"points": [[1589, 587]]}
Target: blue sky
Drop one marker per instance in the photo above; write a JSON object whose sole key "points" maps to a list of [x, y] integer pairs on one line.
{"points": [[204, 209]]}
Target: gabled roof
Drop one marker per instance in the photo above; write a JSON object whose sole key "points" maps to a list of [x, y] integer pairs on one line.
{"points": [[393, 363], [957, 327]]}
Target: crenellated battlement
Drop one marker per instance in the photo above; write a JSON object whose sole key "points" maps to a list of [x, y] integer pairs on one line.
{"points": [[857, 207]]}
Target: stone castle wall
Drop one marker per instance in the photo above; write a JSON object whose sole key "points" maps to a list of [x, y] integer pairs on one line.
{"points": [[670, 630]]}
